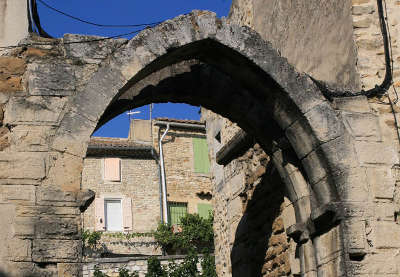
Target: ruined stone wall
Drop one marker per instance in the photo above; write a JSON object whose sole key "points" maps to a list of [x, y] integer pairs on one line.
{"points": [[250, 237], [316, 37], [183, 183], [373, 122], [43, 219]]}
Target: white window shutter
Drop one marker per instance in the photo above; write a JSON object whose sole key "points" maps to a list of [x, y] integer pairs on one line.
{"points": [[112, 169], [100, 221], [127, 213]]}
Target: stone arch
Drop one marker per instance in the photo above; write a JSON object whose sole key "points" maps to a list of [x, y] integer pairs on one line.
{"points": [[284, 110]]}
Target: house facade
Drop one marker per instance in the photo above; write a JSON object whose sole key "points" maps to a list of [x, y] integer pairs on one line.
{"points": [[126, 175]]}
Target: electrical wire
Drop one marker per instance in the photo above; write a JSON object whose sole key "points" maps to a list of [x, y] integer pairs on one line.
{"points": [[378, 90], [97, 24], [58, 42]]}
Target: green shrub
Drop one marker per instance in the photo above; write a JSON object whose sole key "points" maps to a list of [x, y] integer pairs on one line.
{"points": [[197, 235], [124, 272], [154, 268], [208, 266], [98, 273], [91, 238]]}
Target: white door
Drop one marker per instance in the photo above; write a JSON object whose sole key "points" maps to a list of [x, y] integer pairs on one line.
{"points": [[113, 215]]}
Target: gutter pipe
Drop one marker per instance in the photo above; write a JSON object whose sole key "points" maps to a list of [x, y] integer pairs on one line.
{"points": [[163, 180]]}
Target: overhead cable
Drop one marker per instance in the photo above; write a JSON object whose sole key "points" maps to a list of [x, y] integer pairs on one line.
{"points": [[97, 24], [378, 90], [59, 42]]}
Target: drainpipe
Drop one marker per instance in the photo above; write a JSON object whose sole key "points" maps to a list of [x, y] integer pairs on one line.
{"points": [[163, 181]]}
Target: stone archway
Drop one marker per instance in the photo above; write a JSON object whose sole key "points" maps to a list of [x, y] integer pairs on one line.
{"points": [[199, 59]]}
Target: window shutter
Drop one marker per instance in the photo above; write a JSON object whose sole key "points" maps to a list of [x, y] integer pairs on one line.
{"points": [[127, 214], [200, 152], [100, 221], [203, 209], [112, 169]]}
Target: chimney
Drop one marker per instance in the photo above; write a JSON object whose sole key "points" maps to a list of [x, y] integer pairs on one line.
{"points": [[140, 130], [14, 24]]}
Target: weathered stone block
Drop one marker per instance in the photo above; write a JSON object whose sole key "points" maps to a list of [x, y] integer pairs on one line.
{"points": [[24, 227], [355, 236], [12, 66], [24, 194], [237, 183], [98, 93], [69, 270], [385, 211], [36, 110], [11, 84], [376, 153], [89, 52], [51, 79], [46, 250], [352, 185], [22, 165], [57, 227], [328, 245], [34, 211], [51, 197], [363, 126], [235, 208], [4, 138], [299, 134], [362, 23], [359, 10], [74, 134], [65, 171], [315, 167], [20, 249], [381, 182], [326, 126], [31, 138], [385, 234]]}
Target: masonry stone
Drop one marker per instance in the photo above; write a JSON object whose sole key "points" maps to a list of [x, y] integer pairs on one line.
{"points": [[338, 167]]}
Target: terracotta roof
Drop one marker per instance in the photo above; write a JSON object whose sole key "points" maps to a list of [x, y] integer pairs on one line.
{"points": [[166, 119]]}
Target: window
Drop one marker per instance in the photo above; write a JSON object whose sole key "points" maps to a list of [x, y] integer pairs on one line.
{"points": [[113, 214], [112, 169], [176, 210], [200, 153], [204, 209]]}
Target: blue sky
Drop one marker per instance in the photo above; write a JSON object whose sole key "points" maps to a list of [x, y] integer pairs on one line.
{"points": [[125, 12]]}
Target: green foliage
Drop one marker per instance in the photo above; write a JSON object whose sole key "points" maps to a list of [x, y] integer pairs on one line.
{"points": [[196, 236], [98, 273], [154, 268], [128, 236], [123, 272], [188, 268], [91, 238], [208, 266]]}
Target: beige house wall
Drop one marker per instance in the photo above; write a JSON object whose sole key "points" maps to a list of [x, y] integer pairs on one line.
{"points": [[140, 181], [183, 183]]}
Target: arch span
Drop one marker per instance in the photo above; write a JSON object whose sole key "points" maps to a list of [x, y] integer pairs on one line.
{"points": [[200, 59]]}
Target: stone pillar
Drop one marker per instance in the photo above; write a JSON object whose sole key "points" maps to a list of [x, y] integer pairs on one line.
{"points": [[14, 23]]}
